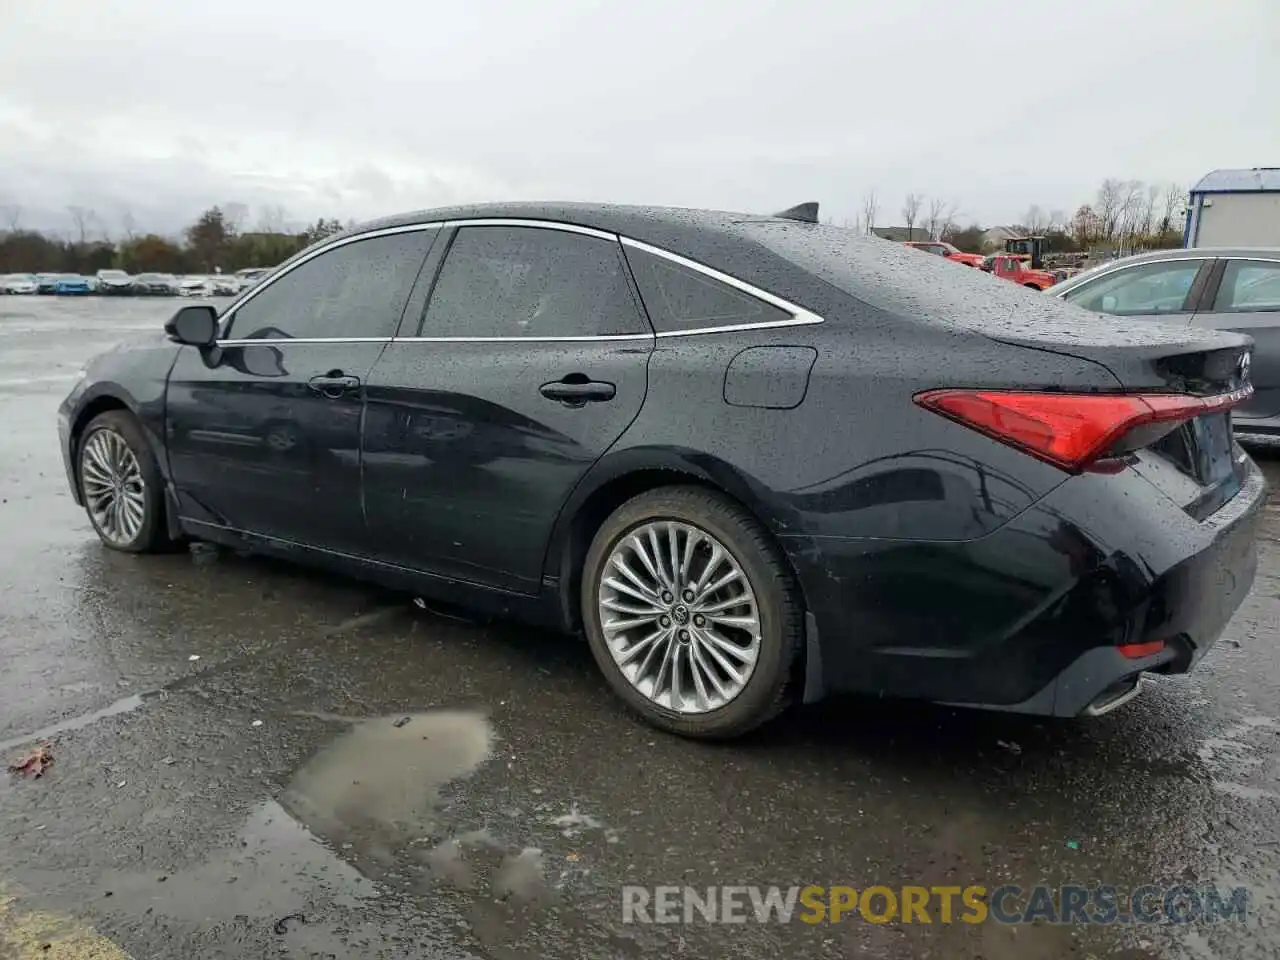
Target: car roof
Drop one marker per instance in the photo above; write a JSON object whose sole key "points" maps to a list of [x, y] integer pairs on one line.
{"points": [[1197, 253]]}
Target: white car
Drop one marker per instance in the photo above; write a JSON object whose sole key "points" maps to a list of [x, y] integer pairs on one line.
{"points": [[251, 275], [225, 285], [19, 283], [195, 287]]}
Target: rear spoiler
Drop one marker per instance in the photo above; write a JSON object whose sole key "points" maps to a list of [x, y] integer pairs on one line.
{"points": [[803, 212]]}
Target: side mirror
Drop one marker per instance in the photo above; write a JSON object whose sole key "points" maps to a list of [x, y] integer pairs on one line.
{"points": [[196, 325]]}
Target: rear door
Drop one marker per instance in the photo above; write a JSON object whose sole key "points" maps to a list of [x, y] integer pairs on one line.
{"points": [[1244, 296], [264, 429], [529, 361]]}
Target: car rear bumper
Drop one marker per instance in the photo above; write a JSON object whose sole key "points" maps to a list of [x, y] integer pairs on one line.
{"points": [[1032, 617]]}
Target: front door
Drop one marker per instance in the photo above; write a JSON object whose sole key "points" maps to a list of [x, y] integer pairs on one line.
{"points": [[1247, 300], [530, 361], [264, 429]]}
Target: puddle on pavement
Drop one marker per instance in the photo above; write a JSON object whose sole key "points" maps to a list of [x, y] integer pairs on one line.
{"points": [[353, 841], [377, 785], [282, 880], [279, 868], [75, 723]]}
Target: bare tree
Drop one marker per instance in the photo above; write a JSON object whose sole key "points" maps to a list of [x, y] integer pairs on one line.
{"points": [[1147, 220], [934, 218], [1174, 206], [271, 218], [234, 215], [911, 211], [1131, 212], [869, 206], [1034, 220], [128, 225], [1110, 199], [83, 218], [947, 219], [11, 216]]}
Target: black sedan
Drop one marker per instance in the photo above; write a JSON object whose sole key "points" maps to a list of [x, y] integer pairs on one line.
{"points": [[754, 459]]}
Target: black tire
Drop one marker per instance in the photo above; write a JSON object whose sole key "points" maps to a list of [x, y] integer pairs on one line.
{"points": [[770, 688], [152, 535]]}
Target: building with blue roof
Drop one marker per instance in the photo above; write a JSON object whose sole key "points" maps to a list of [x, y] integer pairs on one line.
{"points": [[1235, 208]]}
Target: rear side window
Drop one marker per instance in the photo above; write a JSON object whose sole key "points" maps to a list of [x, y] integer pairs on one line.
{"points": [[1249, 286], [356, 290], [679, 298], [1147, 288], [532, 283]]}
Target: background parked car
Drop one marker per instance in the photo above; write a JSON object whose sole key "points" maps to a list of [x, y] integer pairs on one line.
{"points": [[46, 281], [251, 275], [19, 283], [195, 287], [155, 285], [947, 250], [1017, 269], [225, 285], [72, 284], [114, 283], [1219, 288]]}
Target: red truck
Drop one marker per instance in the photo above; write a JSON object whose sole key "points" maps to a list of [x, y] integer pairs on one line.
{"points": [[1017, 267], [946, 250]]}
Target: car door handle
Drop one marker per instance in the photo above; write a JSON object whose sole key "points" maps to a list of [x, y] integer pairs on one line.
{"points": [[575, 392], [334, 384]]}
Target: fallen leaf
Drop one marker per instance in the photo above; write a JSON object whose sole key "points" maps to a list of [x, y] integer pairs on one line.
{"points": [[34, 763]]}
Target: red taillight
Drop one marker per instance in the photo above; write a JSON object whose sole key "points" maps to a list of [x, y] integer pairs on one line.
{"points": [[1069, 430], [1136, 651]]}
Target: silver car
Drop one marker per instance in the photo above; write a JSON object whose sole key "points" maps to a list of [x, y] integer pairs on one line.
{"points": [[1218, 288]]}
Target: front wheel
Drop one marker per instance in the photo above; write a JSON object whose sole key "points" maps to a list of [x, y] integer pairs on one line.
{"points": [[692, 613], [120, 484]]}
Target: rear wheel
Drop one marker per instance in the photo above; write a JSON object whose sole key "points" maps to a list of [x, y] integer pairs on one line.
{"points": [[120, 484], [691, 613]]}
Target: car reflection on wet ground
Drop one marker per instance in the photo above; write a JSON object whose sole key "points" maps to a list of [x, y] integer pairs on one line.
{"points": [[343, 774]]}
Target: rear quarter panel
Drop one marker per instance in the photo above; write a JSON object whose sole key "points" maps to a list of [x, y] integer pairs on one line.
{"points": [[855, 458]]}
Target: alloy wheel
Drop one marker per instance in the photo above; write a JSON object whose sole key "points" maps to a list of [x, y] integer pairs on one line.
{"points": [[114, 489], [679, 616]]}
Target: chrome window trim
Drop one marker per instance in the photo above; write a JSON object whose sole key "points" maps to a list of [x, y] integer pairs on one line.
{"points": [[799, 315], [542, 224], [586, 339], [257, 288], [276, 341], [1061, 294]]}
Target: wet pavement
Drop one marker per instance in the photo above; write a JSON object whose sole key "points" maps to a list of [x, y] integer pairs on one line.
{"points": [[253, 760]]}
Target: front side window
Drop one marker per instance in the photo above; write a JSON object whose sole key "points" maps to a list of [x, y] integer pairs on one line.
{"points": [[679, 298], [1147, 288], [533, 283], [358, 289], [1249, 286]]}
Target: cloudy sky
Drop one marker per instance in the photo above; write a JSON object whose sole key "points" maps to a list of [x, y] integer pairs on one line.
{"points": [[148, 111]]}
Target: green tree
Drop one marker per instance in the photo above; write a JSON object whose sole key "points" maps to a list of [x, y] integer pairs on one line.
{"points": [[152, 254], [320, 229], [207, 239], [969, 239]]}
